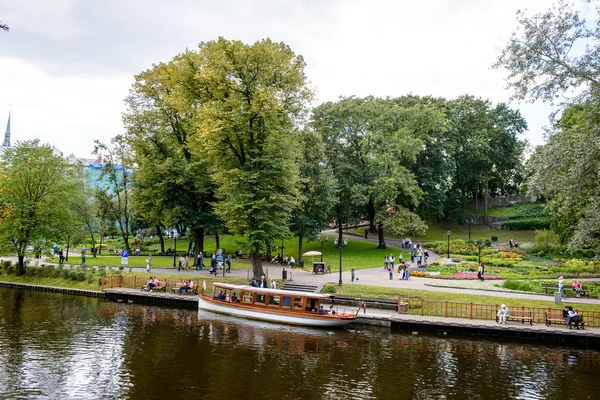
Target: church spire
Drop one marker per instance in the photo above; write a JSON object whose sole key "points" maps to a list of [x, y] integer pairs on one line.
{"points": [[6, 142]]}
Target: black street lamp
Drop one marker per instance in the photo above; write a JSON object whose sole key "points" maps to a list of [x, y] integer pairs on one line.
{"points": [[68, 244], [448, 233], [322, 241], [340, 246], [479, 243], [174, 235]]}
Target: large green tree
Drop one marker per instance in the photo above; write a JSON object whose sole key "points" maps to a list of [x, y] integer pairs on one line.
{"points": [[549, 55], [317, 190], [36, 188], [173, 184], [248, 101]]}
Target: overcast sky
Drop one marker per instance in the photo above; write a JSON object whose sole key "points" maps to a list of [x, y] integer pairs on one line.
{"points": [[66, 65]]}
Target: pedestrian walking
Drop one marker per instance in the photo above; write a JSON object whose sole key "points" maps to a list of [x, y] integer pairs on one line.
{"points": [[149, 264], [352, 275]]}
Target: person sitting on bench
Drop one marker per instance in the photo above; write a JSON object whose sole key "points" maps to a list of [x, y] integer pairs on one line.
{"points": [[573, 317], [150, 284], [502, 314], [188, 285]]}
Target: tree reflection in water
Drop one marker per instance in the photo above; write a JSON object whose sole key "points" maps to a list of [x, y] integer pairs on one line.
{"points": [[57, 346]]}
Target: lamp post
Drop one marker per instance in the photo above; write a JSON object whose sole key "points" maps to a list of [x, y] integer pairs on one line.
{"points": [[340, 246], [322, 241], [448, 233], [479, 244], [174, 235], [68, 244]]}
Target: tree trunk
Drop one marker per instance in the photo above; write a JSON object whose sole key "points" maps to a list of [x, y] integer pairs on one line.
{"points": [[217, 240], [371, 216], [381, 237], [100, 248], [299, 248], [485, 207], [21, 265], [199, 236], [257, 269], [161, 239]]}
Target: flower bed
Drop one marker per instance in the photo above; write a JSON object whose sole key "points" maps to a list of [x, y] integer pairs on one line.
{"points": [[469, 275]]}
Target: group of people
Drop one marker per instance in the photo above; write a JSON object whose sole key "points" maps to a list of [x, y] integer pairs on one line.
{"points": [[187, 285], [513, 243], [571, 316], [152, 283], [576, 286], [284, 260], [263, 283]]}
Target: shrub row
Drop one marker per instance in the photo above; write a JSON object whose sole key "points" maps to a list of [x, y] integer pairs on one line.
{"points": [[526, 224]]}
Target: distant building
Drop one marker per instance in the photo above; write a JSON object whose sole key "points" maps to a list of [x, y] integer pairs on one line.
{"points": [[6, 142]]}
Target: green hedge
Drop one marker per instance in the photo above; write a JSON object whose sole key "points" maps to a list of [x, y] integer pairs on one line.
{"points": [[526, 224]]}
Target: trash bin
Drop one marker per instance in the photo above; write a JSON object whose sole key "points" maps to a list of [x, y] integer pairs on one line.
{"points": [[301, 264], [284, 274], [557, 298]]}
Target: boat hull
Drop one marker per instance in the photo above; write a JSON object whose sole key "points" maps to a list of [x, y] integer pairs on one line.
{"points": [[302, 319]]}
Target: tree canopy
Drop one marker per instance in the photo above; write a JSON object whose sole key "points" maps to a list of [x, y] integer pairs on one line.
{"points": [[36, 188]]}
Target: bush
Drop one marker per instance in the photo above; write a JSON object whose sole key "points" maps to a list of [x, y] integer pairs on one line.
{"points": [[91, 277], [10, 269], [56, 273], [65, 274], [526, 224], [121, 267], [329, 289], [6, 264], [81, 276], [522, 286], [73, 275], [546, 240]]}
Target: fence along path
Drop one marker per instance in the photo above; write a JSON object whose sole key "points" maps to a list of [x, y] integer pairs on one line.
{"points": [[450, 309]]}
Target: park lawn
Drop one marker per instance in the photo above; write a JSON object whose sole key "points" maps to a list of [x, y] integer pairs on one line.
{"points": [[393, 293], [358, 254], [136, 261], [438, 232]]}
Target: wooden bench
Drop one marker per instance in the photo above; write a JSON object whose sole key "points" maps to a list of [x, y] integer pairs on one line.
{"points": [[162, 287], [381, 303], [554, 288], [519, 315], [176, 285], [557, 318]]}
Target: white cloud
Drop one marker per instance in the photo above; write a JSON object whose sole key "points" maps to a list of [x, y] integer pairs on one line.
{"points": [[66, 66]]}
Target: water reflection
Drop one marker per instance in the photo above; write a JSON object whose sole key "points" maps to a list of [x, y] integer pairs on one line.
{"points": [[54, 346]]}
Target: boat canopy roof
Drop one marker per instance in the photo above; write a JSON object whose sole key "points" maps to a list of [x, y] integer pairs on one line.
{"points": [[280, 292]]}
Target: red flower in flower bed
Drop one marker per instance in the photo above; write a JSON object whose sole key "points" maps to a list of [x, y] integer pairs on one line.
{"points": [[472, 275]]}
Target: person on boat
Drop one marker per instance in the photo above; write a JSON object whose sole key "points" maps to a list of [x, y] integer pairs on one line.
{"points": [[234, 298], [273, 285], [220, 296], [263, 282], [185, 286], [331, 310], [227, 298], [321, 309]]}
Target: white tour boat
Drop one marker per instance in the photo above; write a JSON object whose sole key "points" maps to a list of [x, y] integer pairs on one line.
{"points": [[273, 305]]}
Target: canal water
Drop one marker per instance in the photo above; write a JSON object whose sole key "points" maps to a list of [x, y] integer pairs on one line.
{"points": [[65, 347]]}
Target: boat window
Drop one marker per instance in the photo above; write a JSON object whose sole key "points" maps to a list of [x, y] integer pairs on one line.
{"points": [[247, 297], [260, 299], [287, 301], [274, 301], [298, 302]]}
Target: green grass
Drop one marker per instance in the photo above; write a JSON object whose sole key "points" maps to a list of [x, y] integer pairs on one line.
{"points": [[137, 261], [393, 293], [438, 232]]}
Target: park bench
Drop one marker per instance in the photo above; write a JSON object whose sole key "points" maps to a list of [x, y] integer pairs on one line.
{"points": [[176, 285], [548, 287], [519, 315], [162, 286], [553, 317], [380, 303], [345, 300]]}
